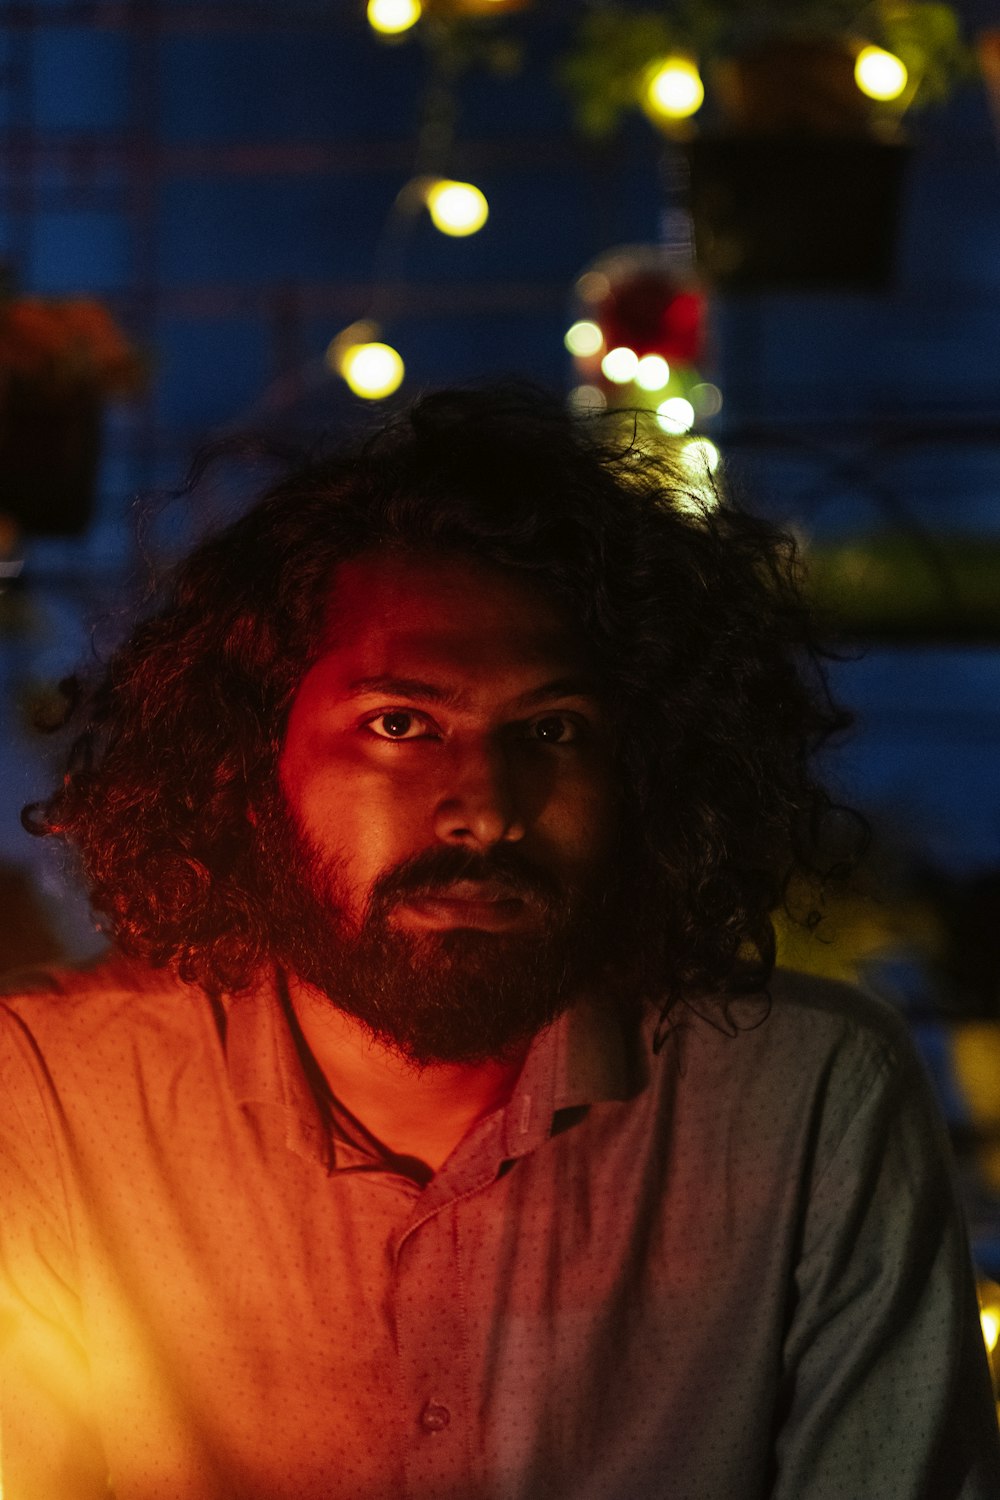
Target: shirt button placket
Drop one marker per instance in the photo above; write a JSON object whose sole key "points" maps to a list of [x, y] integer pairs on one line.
{"points": [[435, 1416], [431, 1345]]}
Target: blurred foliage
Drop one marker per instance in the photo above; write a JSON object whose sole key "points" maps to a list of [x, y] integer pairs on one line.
{"points": [[615, 46], [903, 587], [59, 343]]}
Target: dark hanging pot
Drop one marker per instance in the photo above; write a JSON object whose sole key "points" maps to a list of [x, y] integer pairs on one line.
{"points": [[795, 191], [50, 444]]}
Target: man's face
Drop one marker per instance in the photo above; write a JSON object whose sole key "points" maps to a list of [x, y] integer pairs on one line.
{"points": [[449, 808]]}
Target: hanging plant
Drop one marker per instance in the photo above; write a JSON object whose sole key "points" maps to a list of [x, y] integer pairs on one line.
{"points": [[60, 360], [61, 344], [620, 51], [789, 112]]}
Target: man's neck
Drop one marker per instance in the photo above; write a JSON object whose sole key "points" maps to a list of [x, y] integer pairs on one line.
{"points": [[417, 1114]]}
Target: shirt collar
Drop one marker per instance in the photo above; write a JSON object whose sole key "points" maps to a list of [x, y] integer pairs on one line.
{"points": [[587, 1056], [271, 1067]]}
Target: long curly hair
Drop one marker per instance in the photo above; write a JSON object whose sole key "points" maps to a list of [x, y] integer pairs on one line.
{"points": [[711, 674]]}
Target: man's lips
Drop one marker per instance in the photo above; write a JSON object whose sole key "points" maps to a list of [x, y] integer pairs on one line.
{"points": [[487, 905]]}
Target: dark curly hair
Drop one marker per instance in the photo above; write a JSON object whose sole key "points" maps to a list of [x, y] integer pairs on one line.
{"points": [[693, 608]]}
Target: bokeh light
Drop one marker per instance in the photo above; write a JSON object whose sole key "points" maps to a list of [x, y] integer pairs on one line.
{"points": [[706, 398], [702, 455], [584, 338], [593, 286], [373, 371], [390, 17], [619, 365], [587, 398], [457, 208], [880, 74], [674, 89], [990, 1319], [675, 415], [652, 372]]}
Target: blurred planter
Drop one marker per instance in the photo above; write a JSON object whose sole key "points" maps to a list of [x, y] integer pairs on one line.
{"points": [[891, 589], [795, 190], [775, 212], [988, 44], [50, 445], [60, 359], [976, 1061]]}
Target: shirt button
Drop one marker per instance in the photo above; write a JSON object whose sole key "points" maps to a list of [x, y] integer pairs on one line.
{"points": [[434, 1417]]}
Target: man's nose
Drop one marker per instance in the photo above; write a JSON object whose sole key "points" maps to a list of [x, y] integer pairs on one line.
{"points": [[479, 805]]}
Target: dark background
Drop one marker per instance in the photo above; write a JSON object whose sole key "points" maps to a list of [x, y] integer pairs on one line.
{"points": [[221, 175]]}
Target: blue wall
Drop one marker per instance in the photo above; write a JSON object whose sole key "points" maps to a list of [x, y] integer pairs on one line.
{"points": [[222, 175]]}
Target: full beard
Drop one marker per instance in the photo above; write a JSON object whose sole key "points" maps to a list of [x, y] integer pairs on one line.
{"points": [[453, 996]]}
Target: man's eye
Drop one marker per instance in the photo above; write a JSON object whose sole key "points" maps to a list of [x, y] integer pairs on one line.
{"points": [[554, 729], [398, 725]]}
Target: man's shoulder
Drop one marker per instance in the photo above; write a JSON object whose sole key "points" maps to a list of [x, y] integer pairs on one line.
{"points": [[788, 1077], [833, 1012], [107, 976], [828, 1041], [61, 1009], [805, 1012], [804, 1039]]}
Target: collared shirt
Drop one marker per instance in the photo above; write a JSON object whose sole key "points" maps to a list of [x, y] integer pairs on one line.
{"points": [[733, 1271]]}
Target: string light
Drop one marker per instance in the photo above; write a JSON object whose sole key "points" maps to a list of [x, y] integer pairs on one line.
{"points": [[701, 453], [652, 372], [457, 208], [373, 371], [880, 74], [619, 365], [990, 1319], [371, 368], [584, 338], [390, 17], [587, 398], [706, 398], [593, 286], [674, 89], [675, 415]]}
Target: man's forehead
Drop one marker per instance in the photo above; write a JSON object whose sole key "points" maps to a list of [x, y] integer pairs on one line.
{"points": [[457, 667], [457, 609]]}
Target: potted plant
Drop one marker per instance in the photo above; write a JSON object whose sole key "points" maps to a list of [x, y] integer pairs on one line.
{"points": [[60, 359], [790, 114]]}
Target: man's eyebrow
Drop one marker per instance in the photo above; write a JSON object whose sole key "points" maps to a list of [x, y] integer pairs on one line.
{"points": [[560, 687], [402, 687], [432, 692]]}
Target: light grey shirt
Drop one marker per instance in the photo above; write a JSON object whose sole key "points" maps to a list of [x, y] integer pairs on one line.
{"points": [[733, 1271]]}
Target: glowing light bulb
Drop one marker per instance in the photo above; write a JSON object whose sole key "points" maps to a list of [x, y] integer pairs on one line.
{"points": [[390, 17], [702, 454], [619, 365], [675, 415], [706, 398], [674, 89], [990, 1319], [372, 370], [880, 74], [457, 208], [587, 398], [584, 338], [652, 372], [593, 286]]}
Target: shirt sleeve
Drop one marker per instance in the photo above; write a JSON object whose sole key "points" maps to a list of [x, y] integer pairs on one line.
{"points": [[886, 1388], [49, 1448]]}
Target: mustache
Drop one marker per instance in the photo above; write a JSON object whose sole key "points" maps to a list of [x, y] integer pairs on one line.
{"points": [[432, 871]]}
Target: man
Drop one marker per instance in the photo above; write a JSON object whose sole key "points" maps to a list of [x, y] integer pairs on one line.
{"points": [[438, 1129]]}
